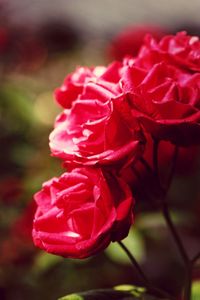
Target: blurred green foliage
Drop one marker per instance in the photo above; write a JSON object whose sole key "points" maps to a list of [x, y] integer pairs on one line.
{"points": [[196, 290]]}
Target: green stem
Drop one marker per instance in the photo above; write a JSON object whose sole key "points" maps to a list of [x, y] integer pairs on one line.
{"points": [[188, 283], [174, 233], [155, 161], [135, 264], [182, 251], [168, 219], [171, 173]]}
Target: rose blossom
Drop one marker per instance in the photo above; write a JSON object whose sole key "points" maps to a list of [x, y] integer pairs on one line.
{"points": [[81, 212], [181, 50], [98, 129], [166, 101], [75, 82]]}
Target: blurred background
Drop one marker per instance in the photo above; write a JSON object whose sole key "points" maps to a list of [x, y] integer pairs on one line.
{"points": [[40, 43]]}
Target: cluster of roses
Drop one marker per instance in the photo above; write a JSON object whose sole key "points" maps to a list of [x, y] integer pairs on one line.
{"points": [[102, 132]]}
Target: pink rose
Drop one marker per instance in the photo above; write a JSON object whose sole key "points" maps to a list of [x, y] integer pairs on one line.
{"points": [[81, 212], [75, 83], [181, 50], [98, 129], [166, 101]]}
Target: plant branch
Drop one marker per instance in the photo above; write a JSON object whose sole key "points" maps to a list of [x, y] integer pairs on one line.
{"points": [[145, 280], [155, 160], [163, 202], [168, 219], [146, 165], [171, 173], [182, 251], [174, 233], [188, 283], [135, 264]]}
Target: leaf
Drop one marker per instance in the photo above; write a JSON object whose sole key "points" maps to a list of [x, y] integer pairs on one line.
{"points": [[121, 292], [134, 290], [101, 294], [196, 290], [72, 297]]}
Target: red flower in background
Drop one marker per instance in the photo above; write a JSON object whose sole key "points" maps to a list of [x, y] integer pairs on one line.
{"points": [[81, 212], [129, 41]]}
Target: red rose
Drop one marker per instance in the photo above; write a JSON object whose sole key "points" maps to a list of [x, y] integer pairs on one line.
{"points": [[129, 41], [166, 101], [81, 212], [75, 83], [98, 130], [181, 50]]}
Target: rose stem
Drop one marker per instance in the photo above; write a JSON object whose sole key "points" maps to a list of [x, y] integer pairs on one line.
{"points": [[155, 160], [145, 280], [168, 219], [171, 173], [188, 283], [178, 242], [165, 208], [146, 165], [135, 263]]}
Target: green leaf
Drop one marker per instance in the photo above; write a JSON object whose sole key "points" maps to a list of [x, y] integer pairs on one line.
{"points": [[134, 290], [121, 292], [72, 297], [196, 290], [101, 294]]}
